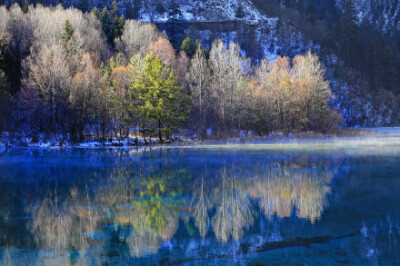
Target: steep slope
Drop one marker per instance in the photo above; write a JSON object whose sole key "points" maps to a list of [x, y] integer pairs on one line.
{"points": [[384, 15], [199, 11], [281, 27], [262, 33]]}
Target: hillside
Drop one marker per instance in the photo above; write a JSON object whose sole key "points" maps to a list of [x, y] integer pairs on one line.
{"points": [[357, 41]]}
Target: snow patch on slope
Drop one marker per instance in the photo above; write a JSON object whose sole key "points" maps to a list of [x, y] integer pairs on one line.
{"points": [[201, 11]]}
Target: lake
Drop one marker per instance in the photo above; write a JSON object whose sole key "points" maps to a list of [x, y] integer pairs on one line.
{"points": [[316, 202]]}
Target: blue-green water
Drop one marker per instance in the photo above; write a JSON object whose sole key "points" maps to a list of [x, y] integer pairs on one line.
{"points": [[335, 202]]}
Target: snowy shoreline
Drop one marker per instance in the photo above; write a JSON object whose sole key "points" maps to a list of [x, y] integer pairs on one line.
{"points": [[179, 141]]}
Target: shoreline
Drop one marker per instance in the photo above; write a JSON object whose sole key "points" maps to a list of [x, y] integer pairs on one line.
{"points": [[182, 141]]}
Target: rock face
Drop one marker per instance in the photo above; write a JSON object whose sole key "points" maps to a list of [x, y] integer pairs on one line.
{"points": [[199, 11]]}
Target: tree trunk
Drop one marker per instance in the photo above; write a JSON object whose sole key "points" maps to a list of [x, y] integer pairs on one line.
{"points": [[159, 131]]}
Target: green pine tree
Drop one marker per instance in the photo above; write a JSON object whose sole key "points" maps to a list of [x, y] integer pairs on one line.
{"points": [[162, 103], [67, 37], [95, 12], [25, 7], [188, 46], [68, 31], [112, 23]]}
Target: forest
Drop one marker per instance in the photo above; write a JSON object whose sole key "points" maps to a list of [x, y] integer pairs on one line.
{"points": [[71, 76]]}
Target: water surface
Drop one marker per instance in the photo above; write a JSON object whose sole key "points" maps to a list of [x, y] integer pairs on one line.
{"points": [[331, 202]]}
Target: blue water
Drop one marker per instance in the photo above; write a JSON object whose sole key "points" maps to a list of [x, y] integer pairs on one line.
{"points": [[331, 202]]}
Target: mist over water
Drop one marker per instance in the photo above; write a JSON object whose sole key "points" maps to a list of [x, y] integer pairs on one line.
{"points": [[325, 201]]}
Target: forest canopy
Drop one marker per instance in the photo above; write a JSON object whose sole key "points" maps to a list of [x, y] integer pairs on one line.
{"points": [[73, 76]]}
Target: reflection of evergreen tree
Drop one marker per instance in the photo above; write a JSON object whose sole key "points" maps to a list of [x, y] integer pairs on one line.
{"points": [[144, 203]]}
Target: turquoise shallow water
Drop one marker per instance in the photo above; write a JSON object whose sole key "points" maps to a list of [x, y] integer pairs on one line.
{"points": [[332, 202]]}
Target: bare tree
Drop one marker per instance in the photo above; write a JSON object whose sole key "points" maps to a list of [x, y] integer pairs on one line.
{"points": [[228, 72], [121, 100], [136, 38], [308, 79], [82, 95], [165, 51], [4, 22], [199, 85], [48, 74]]}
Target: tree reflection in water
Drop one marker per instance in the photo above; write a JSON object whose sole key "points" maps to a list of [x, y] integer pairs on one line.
{"points": [[233, 208], [144, 205], [199, 209], [287, 188]]}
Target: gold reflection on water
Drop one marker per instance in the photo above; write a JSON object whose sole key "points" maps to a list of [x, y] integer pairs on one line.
{"points": [[147, 208], [233, 209], [284, 189], [200, 206]]}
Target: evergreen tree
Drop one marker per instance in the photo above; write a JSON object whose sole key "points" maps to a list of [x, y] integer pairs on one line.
{"points": [[112, 24], [10, 63], [390, 75], [174, 11], [160, 8], [188, 46], [68, 31], [162, 104], [5, 104], [240, 12], [137, 6], [120, 26], [4, 85], [300, 5], [288, 3], [67, 38], [311, 13], [25, 7], [95, 12], [129, 10], [350, 35], [83, 5]]}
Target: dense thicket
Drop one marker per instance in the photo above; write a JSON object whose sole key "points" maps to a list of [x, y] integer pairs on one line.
{"points": [[75, 83]]}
